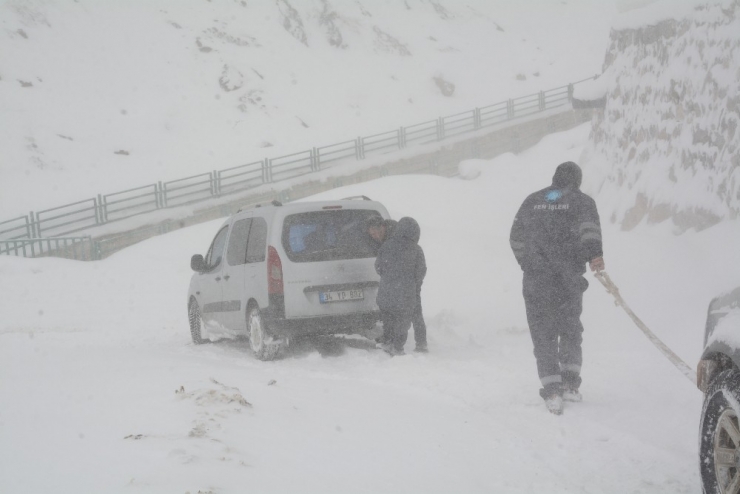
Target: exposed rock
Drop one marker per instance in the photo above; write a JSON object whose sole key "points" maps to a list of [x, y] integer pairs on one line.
{"points": [[231, 79], [252, 98], [447, 88], [215, 33], [327, 20], [304, 124], [442, 12], [387, 43], [292, 21], [29, 14], [664, 146], [202, 47]]}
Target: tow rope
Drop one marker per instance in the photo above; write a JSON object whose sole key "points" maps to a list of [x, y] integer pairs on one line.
{"points": [[687, 371]]}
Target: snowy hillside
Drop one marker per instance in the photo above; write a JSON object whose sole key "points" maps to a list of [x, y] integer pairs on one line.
{"points": [[668, 145], [101, 389], [99, 96]]}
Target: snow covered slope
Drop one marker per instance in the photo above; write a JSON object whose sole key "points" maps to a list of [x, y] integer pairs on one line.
{"points": [[102, 391], [668, 144], [99, 96]]}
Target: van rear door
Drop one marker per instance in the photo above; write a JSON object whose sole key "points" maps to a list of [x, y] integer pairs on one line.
{"points": [[330, 265]]}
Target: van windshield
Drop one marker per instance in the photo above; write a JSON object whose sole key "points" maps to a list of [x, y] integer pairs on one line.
{"points": [[328, 235]]}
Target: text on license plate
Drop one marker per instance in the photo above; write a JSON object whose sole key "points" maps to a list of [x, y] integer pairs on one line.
{"points": [[341, 296]]}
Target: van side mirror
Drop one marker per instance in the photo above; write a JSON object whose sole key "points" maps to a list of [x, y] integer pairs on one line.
{"points": [[197, 263]]}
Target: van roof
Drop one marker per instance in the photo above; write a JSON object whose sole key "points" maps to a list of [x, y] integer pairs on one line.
{"points": [[349, 203]]}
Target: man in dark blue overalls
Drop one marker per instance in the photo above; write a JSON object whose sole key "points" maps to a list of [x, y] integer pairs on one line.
{"points": [[555, 233]]}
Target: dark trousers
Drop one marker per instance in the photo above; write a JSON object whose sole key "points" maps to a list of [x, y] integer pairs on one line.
{"points": [[395, 328], [554, 303], [420, 327], [417, 319]]}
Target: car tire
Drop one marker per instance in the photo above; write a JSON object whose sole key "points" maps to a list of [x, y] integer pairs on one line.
{"points": [[262, 345], [196, 323], [719, 441]]}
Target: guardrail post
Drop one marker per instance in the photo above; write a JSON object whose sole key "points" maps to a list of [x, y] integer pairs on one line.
{"points": [[542, 101], [99, 211], [476, 119], [95, 253], [162, 195], [315, 160], [216, 183], [37, 223], [510, 109], [359, 148], [440, 128], [570, 93], [30, 226], [401, 138], [266, 170]]}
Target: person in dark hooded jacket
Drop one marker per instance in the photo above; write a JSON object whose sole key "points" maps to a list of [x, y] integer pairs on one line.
{"points": [[379, 230], [555, 233], [402, 267]]}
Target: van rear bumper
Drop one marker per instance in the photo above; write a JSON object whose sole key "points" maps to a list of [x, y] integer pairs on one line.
{"points": [[279, 326]]}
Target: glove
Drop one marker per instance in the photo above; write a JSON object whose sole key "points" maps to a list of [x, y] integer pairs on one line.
{"points": [[597, 264]]}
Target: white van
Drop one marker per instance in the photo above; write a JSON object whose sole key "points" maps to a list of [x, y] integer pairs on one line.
{"points": [[277, 271]]}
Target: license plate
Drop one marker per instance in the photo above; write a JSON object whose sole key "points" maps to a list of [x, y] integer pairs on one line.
{"points": [[341, 296]]}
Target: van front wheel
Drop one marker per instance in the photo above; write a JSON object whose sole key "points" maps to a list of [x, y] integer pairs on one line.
{"points": [[262, 345], [196, 323]]}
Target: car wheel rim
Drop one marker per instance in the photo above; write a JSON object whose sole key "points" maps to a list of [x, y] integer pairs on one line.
{"points": [[255, 330], [727, 452]]}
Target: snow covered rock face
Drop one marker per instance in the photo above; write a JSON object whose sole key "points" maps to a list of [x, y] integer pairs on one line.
{"points": [[667, 145]]}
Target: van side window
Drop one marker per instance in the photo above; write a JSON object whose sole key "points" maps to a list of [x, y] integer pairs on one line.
{"points": [[213, 258], [257, 241], [236, 254]]}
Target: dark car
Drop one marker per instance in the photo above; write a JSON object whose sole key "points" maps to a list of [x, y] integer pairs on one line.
{"points": [[718, 376]]}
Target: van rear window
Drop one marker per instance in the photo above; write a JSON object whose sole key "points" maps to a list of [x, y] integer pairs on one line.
{"points": [[329, 235]]}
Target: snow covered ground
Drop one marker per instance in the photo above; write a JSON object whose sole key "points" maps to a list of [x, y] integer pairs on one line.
{"points": [[97, 97], [101, 389]]}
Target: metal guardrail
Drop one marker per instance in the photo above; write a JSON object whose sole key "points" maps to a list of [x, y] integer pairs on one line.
{"points": [[78, 248], [82, 215]]}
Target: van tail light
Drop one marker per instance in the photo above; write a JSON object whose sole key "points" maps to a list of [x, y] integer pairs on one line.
{"points": [[274, 272]]}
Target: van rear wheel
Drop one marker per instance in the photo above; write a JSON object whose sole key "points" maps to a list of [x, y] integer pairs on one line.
{"points": [[262, 345]]}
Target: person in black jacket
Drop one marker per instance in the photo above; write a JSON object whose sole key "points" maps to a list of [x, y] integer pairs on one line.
{"points": [[555, 233], [380, 230], [402, 267]]}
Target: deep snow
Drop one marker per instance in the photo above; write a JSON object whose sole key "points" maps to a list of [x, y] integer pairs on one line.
{"points": [[101, 389], [98, 97], [92, 356]]}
